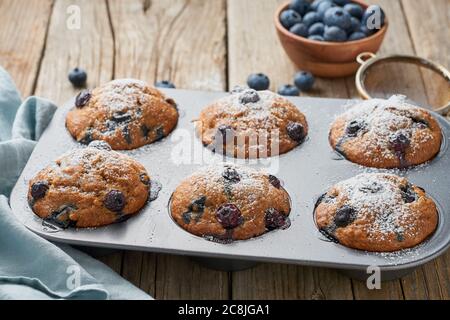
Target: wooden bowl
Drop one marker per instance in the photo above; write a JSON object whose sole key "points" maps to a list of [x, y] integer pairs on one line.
{"points": [[327, 59]]}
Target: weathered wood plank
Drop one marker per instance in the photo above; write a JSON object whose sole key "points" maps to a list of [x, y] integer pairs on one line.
{"points": [[22, 39], [253, 46], [179, 41], [390, 290], [89, 47]]}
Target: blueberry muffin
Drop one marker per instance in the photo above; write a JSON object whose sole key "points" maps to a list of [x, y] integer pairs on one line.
{"points": [[89, 187], [125, 113], [252, 124], [386, 134], [376, 212], [228, 202]]}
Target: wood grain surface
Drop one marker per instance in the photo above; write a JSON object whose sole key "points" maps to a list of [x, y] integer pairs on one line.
{"points": [[210, 45]]}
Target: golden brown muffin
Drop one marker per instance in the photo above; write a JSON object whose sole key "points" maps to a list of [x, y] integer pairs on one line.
{"points": [[228, 202], [89, 187], [386, 134], [252, 124], [376, 212], [126, 113]]}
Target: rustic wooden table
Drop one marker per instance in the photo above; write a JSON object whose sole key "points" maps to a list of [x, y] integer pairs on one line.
{"points": [[211, 45]]}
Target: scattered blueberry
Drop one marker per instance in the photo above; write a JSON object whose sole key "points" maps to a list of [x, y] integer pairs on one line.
{"points": [[337, 17], [316, 38], [354, 127], [164, 84], [323, 7], [114, 201], [304, 80], [258, 81], [101, 145], [344, 216], [230, 174], [335, 34], [288, 90], [408, 194], [78, 77], [229, 216], [310, 18], [341, 3], [274, 219], [299, 29], [198, 205], [373, 18], [316, 29], [274, 181], [354, 9], [249, 96], [82, 98], [356, 36], [39, 189], [295, 131], [300, 6], [399, 142], [290, 17]]}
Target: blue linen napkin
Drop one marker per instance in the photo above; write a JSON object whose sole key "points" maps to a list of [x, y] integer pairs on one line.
{"points": [[30, 266]]}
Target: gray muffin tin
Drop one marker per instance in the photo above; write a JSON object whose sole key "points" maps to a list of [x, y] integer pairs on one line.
{"points": [[307, 171]]}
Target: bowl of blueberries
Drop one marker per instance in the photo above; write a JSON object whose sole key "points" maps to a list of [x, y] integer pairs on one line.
{"points": [[325, 36]]}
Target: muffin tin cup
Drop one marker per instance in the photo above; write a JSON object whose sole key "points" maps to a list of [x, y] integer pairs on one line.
{"points": [[306, 172]]}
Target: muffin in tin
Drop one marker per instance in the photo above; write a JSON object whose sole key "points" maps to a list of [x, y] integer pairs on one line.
{"points": [[376, 212], [126, 113], [228, 202], [89, 187], [251, 124], [386, 134]]}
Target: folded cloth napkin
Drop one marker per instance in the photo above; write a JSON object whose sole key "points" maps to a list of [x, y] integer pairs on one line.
{"points": [[30, 266]]}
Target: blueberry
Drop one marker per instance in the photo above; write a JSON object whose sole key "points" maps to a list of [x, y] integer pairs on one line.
{"points": [[144, 178], [231, 175], [300, 6], [229, 216], [274, 219], [159, 133], [310, 18], [198, 205], [323, 7], [316, 29], [337, 17], [249, 96], [100, 145], [356, 36], [164, 84], [126, 134], [288, 90], [354, 9], [355, 25], [334, 34], [344, 216], [145, 130], [373, 187], [295, 131], [61, 217], [225, 131], [408, 194], [366, 31], [304, 80], [373, 18], [316, 38], [315, 4], [399, 142], [39, 189], [290, 17], [78, 77], [421, 123], [341, 3], [275, 181], [354, 127], [88, 136], [121, 117], [82, 98], [258, 81], [114, 201], [299, 29]]}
